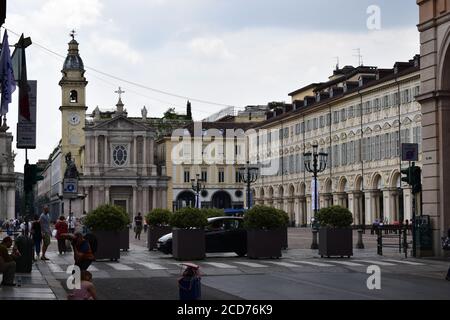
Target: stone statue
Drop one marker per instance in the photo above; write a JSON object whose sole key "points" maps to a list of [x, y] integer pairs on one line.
{"points": [[144, 113], [71, 169]]}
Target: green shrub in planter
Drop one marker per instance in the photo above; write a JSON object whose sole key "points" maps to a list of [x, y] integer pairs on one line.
{"points": [[158, 217], [188, 235], [265, 218], [335, 234], [334, 217], [107, 218], [187, 218], [266, 228], [107, 222], [158, 221], [211, 213]]}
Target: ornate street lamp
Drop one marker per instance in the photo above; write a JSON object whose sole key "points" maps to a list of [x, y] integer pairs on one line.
{"points": [[248, 175], [315, 163], [198, 185]]}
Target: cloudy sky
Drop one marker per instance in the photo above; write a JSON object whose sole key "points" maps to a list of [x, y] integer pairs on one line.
{"points": [[231, 52]]}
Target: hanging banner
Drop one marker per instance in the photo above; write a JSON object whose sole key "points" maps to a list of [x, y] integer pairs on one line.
{"points": [[26, 125], [314, 195]]}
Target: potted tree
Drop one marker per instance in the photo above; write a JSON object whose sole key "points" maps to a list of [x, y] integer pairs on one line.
{"points": [[106, 222], [158, 221], [188, 234], [263, 226], [335, 233], [284, 229]]}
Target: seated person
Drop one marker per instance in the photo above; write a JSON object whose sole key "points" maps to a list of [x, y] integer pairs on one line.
{"points": [[87, 288], [7, 263]]}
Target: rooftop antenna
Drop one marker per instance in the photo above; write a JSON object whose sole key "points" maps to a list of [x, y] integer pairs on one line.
{"points": [[360, 57]]}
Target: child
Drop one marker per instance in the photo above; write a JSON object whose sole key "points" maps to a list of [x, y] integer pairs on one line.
{"points": [[87, 290], [189, 284]]}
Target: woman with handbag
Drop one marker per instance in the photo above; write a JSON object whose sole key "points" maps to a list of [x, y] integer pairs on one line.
{"points": [[61, 228]]}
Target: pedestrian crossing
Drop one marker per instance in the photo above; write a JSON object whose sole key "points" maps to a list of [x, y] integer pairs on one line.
{"points": [[233, 264]]}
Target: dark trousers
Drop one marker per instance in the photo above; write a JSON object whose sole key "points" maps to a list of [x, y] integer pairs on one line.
{"points": [[84, 264], [37, 245], [62, 245]]}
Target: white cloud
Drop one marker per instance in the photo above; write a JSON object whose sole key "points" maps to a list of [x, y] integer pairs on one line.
{"points": [[210, 48], [115, 48]]}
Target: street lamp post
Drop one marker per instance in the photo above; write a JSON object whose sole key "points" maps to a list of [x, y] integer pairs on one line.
{"points": [[198, 185], [315, 163], [248, 175]]}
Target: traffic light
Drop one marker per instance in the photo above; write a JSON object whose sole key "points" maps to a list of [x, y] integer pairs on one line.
{"points": [[408, 175], [416, 179], [31, 176]]}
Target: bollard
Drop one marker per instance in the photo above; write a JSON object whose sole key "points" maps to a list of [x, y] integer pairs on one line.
{"points": [[314, 244], [379, 242], [360, 244]]}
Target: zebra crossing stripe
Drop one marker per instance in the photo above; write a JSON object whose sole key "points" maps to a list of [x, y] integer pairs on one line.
{"points": [[318, 264], [54, 267], [120, 266], [93, 268], [220, 265], [252, 265], [152, 266], [406, 262], [346, 263], [284, 264], [381, 263]]}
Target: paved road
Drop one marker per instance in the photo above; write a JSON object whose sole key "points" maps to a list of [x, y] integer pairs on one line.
{"points": [[299, 274]]}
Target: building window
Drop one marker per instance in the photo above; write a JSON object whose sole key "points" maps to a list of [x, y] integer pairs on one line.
{"points": [[297, 129], [336, 117], [315, 124], [322, 122], [359, 110], [286, 133], [291, 164], [120, 155], [237, 177], [351, 112], [416, 91], [387, 146], [73, 96], [205, 176], [385, 103], [343, 115], [221, 176], [308, 125], [302, 127], [328, 119], [187, 176]]}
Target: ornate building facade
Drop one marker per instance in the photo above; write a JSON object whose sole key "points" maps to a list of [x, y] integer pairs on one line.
{"points": [[7, 176], [359, 117]]}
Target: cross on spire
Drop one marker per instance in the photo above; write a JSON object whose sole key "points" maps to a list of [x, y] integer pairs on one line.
{"points": [[72, 34], [119, 92]]}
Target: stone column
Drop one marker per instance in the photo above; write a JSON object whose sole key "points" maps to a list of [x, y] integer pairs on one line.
{"points": [[11, 203], [297, 212], [154, 198], [86, 199], [144, 170], [135, 151], [309, 212], [387, 205], [164, 198], [96, 153], [368, 195], [407, 203], [145, 207], [107, 196], [353, 206], [134, 201], [106, 151]]}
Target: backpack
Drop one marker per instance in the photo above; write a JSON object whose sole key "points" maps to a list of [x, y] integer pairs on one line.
{"points": [[92, 242]]}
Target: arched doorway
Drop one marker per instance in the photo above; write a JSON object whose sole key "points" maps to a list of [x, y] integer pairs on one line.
{"points": [[185, 199], [270, 197], [328, 194], [290, 207], [280, 198], [221, 200], [343, 193], [261, 196], [360, 207]]}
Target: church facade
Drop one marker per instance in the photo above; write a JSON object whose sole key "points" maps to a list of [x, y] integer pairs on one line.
{"points": [[113, 152]]}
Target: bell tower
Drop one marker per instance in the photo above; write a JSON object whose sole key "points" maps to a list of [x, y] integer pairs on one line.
{"points": [[73, 106]]}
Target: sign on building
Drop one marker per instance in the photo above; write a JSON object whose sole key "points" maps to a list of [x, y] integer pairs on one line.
{"points": [[26, 125], [410, 152], [70, 189]]}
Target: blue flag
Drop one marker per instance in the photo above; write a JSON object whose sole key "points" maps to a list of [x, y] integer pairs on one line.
{"points": [[8, 84]]}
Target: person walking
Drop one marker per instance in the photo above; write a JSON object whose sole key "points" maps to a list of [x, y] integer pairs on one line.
{"points": [[46, 232], [72, 222], [61, 228], [138, 225], [7, 262], [36, 234]]}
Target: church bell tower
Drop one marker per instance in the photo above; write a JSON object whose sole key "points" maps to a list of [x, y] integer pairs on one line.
{"points": [[73, 107]]}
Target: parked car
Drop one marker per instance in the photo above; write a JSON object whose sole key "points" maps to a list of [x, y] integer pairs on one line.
{"points": [[222, 234]]}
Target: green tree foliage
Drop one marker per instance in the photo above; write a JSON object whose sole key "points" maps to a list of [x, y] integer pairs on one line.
{"points": [[188, 218], [335, 217], [265, 218], [107, 218], [158, 217]]}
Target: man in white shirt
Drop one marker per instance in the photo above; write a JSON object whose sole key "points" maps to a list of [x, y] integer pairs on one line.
{"points": [[71, 221]]}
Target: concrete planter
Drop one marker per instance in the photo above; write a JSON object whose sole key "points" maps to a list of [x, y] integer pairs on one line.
{"points": [[264, 243], [108, 245], [335, 242], [154, 233], [124, 239], [188, 244], [283, 233]]}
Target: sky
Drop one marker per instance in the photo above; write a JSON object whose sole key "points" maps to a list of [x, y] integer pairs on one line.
{"points": [[229, 52]]}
